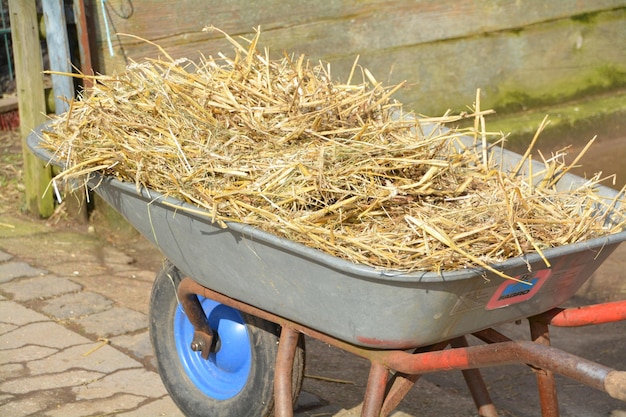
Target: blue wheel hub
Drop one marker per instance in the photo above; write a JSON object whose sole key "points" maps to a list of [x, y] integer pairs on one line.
{"points": [[224, 374]]}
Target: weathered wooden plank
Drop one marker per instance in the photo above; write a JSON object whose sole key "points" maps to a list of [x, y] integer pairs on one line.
{"points": [[62, 86], [82, 31], [388, 22], [32, 107], [530, 50], [8, 104], [326, 29], [544, 65], [59, 53]]}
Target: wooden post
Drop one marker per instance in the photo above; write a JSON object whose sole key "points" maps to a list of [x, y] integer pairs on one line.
{"points": [[31, 101], [63, 87], [77, 204], [59, 53], [84, 49]]}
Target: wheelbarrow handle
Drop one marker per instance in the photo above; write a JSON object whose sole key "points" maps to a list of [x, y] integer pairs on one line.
{"points": [[585, 315], [615, 384]]}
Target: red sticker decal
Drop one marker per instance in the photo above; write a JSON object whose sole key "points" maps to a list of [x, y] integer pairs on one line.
{"points": [[513, 292]]}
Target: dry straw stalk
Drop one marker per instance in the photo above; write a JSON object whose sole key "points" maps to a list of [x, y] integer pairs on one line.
{"points": [[275, 143]]}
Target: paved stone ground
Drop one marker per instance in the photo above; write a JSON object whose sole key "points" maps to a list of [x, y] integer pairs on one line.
{"points": [[68, 351], [65, 352]]}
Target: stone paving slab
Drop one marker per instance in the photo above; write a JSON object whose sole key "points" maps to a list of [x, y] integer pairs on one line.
{"points": [[26, 406], [5, 256], [137, 344], [39, 355], [92, 357], [74, 306], [35, 384], [129, 381], [160, 408], [114, 322], [17, 314], [103, 406], [12, 270], [47, 334], [25, 354], [50, 370], [40, 287]]}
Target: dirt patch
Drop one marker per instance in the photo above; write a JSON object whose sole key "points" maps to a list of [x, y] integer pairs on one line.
{"points": [[11, 186], [12, 202]]}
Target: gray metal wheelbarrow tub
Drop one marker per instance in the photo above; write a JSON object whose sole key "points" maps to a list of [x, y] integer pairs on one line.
{"points": [[355, 303]]}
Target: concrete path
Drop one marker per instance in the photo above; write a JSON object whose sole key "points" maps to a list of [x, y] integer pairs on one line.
{"points": [[68, 353], [74, 336]]}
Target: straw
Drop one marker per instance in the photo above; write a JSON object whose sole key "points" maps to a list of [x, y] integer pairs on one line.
{"points": [[276, 143]]}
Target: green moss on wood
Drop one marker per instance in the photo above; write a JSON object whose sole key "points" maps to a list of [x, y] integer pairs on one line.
{"points": [[604, 79], [585, 17], [569, 122]]}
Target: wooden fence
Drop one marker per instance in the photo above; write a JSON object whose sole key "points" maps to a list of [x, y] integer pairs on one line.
{"points": [[520, 53]]}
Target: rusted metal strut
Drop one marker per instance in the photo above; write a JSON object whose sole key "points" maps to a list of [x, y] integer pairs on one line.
{"points": [[203, 335], [590, 373], [381, 397]]}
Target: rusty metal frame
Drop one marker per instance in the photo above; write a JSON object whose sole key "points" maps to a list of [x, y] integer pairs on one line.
{"points": [[393, 372]]}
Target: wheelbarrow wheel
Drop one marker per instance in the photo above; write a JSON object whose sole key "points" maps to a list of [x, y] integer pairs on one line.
{"points": [[237, 379]]}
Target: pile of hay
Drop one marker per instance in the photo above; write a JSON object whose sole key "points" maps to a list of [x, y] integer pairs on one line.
{"points": [[338, 167]]}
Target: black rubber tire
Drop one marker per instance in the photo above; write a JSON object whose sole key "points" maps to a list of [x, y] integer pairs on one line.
{"points": [[256, 399]]}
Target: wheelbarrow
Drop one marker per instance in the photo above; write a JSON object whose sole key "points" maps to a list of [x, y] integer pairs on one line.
{"points": [[230, 307]]}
